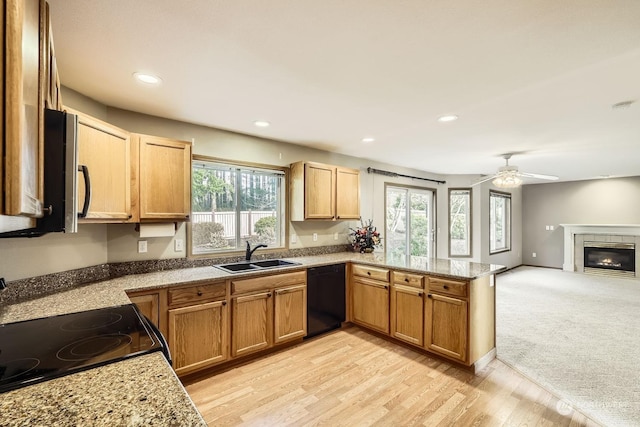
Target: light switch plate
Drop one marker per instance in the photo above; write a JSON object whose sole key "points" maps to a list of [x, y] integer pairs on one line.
{"points": [[142, 246], [178, 245], [315, 237]]}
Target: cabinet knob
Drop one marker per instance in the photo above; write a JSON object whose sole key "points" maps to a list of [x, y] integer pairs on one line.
{"points": [[420, 294], [428, 295], [446, 287], [224, 303], [269, 295], [199, 293], [406, 279], [368, 273]]}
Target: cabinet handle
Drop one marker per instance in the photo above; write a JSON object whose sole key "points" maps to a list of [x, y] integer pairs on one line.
{"points": [[199, 293]]}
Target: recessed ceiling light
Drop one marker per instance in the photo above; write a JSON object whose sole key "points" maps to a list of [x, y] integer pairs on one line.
{"points": [[147, 78], [367, 140], [448, 118], [262, 123]]}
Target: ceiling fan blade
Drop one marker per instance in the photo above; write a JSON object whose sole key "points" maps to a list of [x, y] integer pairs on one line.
{"points": [[539, 176], [488, 178]]}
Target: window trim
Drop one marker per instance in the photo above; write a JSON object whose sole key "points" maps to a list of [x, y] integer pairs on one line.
{"points": [[470, 231], [506, 196], [285, 201]]}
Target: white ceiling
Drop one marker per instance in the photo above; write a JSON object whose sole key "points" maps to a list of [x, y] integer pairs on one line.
{"points": [[536, 77]]}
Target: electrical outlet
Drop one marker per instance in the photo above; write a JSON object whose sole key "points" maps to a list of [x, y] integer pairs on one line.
{"points": [[546, 227], [315, 237], [142, 246], [534, 255], [551, 227], [294, 238], [178, 245], [335, 236]]}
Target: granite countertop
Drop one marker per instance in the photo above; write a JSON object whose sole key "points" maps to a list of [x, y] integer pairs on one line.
{"points": [[141, 391], [111, 292], [144, 390]]}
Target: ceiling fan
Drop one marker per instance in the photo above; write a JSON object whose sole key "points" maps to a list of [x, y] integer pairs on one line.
{"points": [[509, 176]]}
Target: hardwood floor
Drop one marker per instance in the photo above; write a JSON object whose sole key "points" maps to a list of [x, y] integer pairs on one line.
{"points": [[352, 378]]}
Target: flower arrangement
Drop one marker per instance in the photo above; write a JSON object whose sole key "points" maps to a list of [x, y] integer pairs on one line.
{"points": [[365, 238]]}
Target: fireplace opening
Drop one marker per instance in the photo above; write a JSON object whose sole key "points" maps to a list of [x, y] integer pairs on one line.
{"points": [[610, 256]]}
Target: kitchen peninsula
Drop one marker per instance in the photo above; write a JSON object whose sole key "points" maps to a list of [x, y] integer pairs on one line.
{"points": [[428, 290]]}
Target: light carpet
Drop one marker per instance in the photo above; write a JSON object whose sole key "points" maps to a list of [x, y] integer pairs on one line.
{"points": [[577, 335]]}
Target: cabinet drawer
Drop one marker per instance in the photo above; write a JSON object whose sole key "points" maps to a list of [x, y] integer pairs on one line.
{"points": [[199, 293], [371, 272], [446, 286], [267, 282], [407, 279]]}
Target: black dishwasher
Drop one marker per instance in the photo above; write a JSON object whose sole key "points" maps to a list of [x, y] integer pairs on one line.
{"points": [[325, 298]]}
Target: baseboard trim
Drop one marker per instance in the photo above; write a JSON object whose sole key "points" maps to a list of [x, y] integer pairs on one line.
{"points": [[482, 363]]}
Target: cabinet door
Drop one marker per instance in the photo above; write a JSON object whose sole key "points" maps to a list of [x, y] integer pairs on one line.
{"points": [[165, 178], [252, 320], [319, 191], [198, 336], [23, 97], [149, 306], [407, 314], [105, 150], [347, 193], [290, 313], [371, 304], [446, 326]]}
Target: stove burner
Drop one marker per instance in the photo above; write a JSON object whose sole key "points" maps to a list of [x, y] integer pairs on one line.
{"points": [[93, 346], [91, 321], [17, 367]]}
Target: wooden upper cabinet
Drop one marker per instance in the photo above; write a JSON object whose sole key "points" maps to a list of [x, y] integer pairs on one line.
{"points": [[164, 178], [347, 193], [319, 195], [106, 151], [23, 115], [324, 192]]}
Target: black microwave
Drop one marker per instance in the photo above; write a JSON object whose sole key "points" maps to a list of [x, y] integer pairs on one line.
{"points": [[60, 178]]}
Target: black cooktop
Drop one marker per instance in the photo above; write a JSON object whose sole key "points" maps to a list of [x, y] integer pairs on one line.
{"points": [[41, 349]]}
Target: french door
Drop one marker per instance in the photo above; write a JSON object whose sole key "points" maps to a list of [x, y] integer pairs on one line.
{"points": [[410, 223]]}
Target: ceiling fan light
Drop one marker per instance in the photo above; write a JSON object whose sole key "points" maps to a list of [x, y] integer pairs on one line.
{"points": [[507, 179]]}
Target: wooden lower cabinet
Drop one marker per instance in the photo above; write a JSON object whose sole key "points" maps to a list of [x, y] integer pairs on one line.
{"points": [[446, 322], [407, 314], [290, 313], [153, 305], [370, 305], [252, 323], [198, 336]]}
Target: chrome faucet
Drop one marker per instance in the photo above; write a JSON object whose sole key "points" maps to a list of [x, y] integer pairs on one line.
{"points": [[251, 251]]}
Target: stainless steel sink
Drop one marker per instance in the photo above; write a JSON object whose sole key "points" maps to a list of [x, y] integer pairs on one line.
{"points": [[239, 267]]}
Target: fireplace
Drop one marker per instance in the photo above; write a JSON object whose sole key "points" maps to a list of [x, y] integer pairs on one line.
{"points": [[608, 257]]}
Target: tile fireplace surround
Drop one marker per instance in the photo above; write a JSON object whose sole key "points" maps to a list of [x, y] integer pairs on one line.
{"points": [[576, 234]]}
